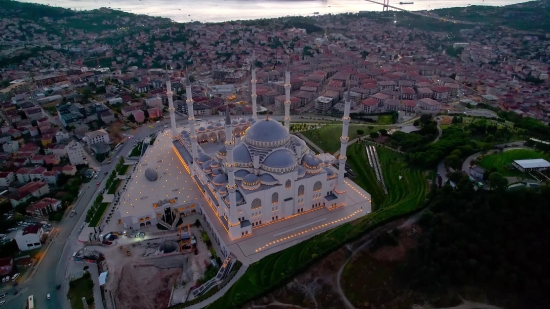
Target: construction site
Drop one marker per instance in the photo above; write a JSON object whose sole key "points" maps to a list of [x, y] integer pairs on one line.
{"points": [[154, 270]]}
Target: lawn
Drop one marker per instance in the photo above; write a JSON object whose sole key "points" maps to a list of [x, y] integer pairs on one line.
{"points": [[408, 191], [114, 186], [328, 136], [82, 287], [98, 214], [123, 169], [385, 119], [500, 160], [405, 195]]}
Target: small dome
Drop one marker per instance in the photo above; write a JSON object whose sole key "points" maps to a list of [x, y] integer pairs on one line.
{"points": [[202, 129], [281, 158], [310, 161], [251, 179], [267, 179], [251, 120], [251, 182], [203, 158], [239, 175], [218, 124], [234, 122], [222, 190], [216, 171], [206, 166], [214, 164], [222, 151], [267, 131], [329, 171], [184, 133], [242, 121], [241, 154], [210, 128], [220, 180], [151, 174], [239, 197]]}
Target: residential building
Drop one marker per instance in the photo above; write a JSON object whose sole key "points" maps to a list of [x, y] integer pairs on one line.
{"points": [[97, 136], [76, 154], [29, 238], [6, 178], [43, 207]]}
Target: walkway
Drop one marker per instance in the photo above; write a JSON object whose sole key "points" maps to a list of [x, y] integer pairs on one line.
{"points": [[221, 292]]}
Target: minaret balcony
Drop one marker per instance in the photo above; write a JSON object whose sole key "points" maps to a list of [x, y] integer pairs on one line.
{"points": [[254, 81], [189, 101], [254, 96], [287, 102], [342, 158], [344, 139]]}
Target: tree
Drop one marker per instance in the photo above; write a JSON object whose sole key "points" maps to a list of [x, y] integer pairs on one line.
{"points": [[416, 123], [374, 135], [497, 181], [453, 161], [360, 132], [383, 132], [131, 118], [425, 118]]}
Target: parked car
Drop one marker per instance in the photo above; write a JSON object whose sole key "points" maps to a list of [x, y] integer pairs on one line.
{"points": [[48, 296]]}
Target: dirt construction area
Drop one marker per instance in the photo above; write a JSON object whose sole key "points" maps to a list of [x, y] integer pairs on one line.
{"points": [[137, 290]]}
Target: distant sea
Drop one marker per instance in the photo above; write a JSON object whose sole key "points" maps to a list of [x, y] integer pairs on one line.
{"points": [[226, 10]]}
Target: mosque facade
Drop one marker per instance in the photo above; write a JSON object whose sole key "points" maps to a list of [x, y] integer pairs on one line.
{"points": [[262, 174]]}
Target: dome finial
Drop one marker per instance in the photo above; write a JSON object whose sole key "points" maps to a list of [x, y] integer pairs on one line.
{"points": [[266, 117]]}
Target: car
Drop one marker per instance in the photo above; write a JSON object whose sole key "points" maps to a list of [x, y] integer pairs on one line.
{"points": [[2, 296], [48, 296], [2, 302], [97, 183]]}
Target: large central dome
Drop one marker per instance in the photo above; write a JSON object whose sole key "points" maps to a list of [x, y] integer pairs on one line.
{"points": [[267, 133]]}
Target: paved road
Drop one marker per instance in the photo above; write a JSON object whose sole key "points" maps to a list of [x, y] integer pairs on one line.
{"points": [[53, 268]]}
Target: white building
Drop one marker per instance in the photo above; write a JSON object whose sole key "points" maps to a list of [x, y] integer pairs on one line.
{"points": [[6, 178], [96, 137], [223, 89], [76, 154], [29, 238]]}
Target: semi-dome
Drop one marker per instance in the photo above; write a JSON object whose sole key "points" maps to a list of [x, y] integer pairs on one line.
{"points": [[241, 154], [184, 133], [218, 124], [216, 171], [242, 121], [201, 129], [238, 197], [151, 174], [278, 159], [222, 190], [235, 122], [251, 120], [330, 171], [267, 131], [206, 166], [220, 180], [210, 128], [214, 164]]}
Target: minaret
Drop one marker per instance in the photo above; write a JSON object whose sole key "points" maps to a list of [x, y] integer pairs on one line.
{"points": [[341, 186], [253, 85], [233, 221], [287, 96], [191, 118], [171, 107]]}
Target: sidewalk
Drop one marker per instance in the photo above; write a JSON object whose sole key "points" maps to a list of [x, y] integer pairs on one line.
{"points": [[43, 252]]}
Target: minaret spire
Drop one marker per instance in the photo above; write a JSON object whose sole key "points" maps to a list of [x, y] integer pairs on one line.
{"points": [[171, 108], [287, 96], [253, 82], [191, 117], [341, 186], [233, 221]]}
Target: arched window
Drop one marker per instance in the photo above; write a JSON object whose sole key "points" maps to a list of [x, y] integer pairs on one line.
{"points": [[317, 186], [275, 198], [257, 203], [288, 183], [301, 190]]}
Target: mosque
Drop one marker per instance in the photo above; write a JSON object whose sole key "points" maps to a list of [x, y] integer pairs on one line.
{"points": [[261, 175]]}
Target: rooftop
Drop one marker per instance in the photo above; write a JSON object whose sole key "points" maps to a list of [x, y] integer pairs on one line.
{"points": [[533, 163], [173, 180]]}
